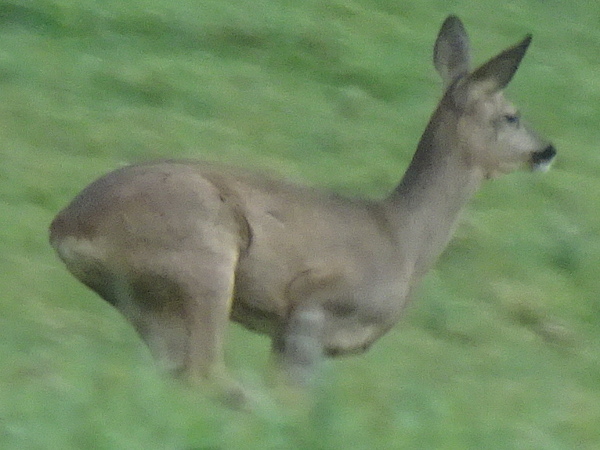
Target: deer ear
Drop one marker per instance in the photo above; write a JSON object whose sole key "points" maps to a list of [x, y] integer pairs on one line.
{"points": [[451, 53], [492, 76], [498, 71]]}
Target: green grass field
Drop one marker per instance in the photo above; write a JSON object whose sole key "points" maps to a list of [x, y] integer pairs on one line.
{"points": [[501, 350]]}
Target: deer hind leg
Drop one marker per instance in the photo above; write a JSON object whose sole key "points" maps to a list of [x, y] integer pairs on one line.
{"points": [[181, 308]]}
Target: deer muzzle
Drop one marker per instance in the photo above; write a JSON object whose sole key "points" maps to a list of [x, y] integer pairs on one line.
{"points": [[541, 160]]}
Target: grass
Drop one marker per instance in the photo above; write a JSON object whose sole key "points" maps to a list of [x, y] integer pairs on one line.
{"points": [[500, 351]]}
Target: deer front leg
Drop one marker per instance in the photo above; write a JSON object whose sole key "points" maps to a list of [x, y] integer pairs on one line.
{"points": [[298, 349]]}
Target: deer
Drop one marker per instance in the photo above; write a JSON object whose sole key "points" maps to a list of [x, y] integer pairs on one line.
{"points": [[181, 247]]}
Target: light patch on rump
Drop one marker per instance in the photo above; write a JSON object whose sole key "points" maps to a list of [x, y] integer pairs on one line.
{"points": [[79, 253]]}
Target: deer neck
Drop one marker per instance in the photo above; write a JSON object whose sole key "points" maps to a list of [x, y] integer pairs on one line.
{"points": [[437, 185]]}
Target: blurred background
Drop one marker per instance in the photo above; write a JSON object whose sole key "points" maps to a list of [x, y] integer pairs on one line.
{"points": [[500, 350]]}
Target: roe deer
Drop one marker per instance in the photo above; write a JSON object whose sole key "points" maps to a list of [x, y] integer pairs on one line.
{"points": [[181, 247]]}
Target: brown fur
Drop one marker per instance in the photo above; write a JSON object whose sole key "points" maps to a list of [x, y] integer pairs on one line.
{"points": [[180, 247]]}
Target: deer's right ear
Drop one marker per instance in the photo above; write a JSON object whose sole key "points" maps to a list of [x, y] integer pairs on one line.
{"points": [[451, 53]]}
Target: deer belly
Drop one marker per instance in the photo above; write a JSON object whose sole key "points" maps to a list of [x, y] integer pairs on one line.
{"points": [[254, 318]]}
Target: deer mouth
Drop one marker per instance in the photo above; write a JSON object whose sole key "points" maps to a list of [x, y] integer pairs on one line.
{"points": [[542, 160]]}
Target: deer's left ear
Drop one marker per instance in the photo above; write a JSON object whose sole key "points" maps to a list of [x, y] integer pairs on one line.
{"points": [[499, 70], [451, 53], [493, 76]]}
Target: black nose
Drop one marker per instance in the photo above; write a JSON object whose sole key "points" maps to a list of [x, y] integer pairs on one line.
{"points": [[544, 155]]}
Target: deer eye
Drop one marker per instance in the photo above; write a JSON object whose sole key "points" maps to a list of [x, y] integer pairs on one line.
{"points": [[513, 119]]}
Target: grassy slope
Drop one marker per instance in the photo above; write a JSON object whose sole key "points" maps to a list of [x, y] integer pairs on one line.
{"points": [[502, 350]]}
